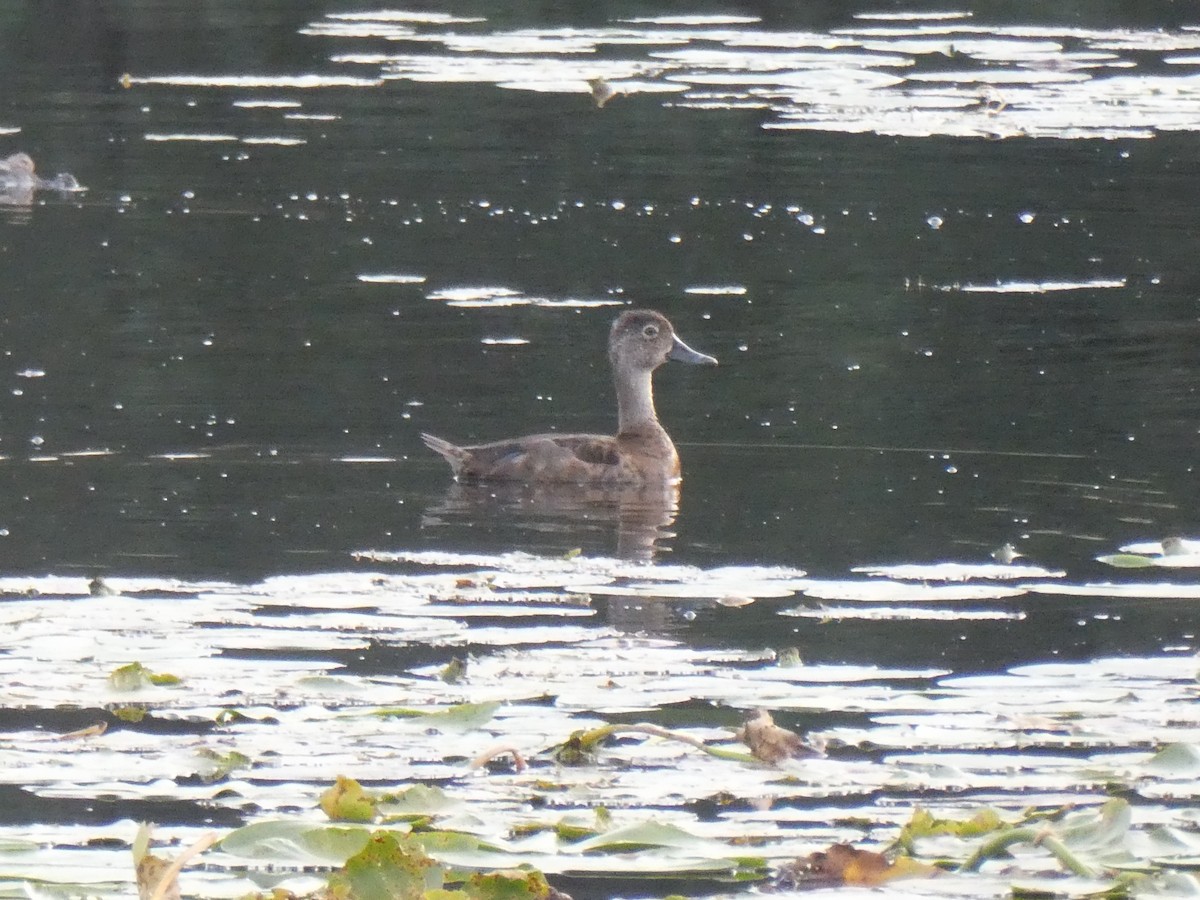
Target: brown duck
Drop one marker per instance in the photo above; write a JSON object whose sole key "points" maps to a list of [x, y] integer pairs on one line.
{"points": [[641, 452]]}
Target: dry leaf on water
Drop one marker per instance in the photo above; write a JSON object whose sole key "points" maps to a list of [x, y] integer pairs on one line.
{"points": [[843, 864], [772, 743], [91, 731], [158, 878]]}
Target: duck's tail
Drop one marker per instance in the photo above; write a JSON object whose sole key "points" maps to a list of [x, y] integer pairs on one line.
{"points": [[451, 453]]}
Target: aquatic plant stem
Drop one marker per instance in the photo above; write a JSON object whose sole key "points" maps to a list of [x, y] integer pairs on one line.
{"points": [[997, 845], [167, 879], [588, 740]]}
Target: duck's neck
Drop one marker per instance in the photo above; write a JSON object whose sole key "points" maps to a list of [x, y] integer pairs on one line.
{"points": [[635, 400]]}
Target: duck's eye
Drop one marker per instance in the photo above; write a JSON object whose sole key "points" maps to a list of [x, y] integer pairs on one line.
{"points": [[650, 331]]}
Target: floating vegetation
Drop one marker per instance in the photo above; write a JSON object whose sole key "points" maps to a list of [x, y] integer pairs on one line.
{"points": [[954, 571], [911, 74], [495, 711], [1169, 553]]}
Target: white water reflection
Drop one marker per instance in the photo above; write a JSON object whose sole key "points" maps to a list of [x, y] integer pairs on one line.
{"points": [[490, 296], [1036, 287], [900, 74]]}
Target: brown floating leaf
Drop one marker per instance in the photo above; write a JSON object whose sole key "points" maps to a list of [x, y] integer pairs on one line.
{"points": [[152, 871], [843, 864], [91, 731], [771, 743], [488, 755], [158, 878]]}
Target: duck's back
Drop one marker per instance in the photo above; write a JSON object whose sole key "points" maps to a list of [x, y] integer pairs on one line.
{"points": [[568, 458]]}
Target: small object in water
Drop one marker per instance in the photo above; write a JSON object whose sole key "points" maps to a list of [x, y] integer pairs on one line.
{"points": [[1007, 554], [772, 743], [17, 170], [789, 658], [63, 181], [734, 600], [843, 864], [1174, 545], [455, 671], [639, 342], [602, 91], [18, 173], [98, 587]]}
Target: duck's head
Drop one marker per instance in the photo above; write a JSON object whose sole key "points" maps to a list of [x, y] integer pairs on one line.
{"points": [[642, 339], [18, 164]]}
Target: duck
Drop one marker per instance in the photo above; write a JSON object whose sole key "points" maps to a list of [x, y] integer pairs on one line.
{"points": [[17, 171], [641, 452]]}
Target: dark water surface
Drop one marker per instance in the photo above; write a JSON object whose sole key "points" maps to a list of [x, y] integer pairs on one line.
{"points": [[204, 298], [217, 361]]}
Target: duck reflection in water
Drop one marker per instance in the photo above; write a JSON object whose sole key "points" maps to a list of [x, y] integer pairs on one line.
{"points": [[560, 516], [631, 478]]}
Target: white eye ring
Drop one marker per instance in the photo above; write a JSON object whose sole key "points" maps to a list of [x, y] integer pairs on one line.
{"points": [[650, 331]]}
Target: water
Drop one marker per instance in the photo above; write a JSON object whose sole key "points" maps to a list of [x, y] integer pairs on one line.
{"points": [[307, 238]]}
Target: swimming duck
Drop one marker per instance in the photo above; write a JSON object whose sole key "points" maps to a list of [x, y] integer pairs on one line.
{"points": [[17, 171], [641, 452]]}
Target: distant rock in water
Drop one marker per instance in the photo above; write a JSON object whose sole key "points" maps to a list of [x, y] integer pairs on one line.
{"points": [[19, 179]]}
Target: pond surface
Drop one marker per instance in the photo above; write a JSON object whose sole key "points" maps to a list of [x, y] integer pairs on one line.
{"points": [[946, 260]]}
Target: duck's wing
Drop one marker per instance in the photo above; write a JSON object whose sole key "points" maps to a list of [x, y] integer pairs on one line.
{"points": [[538, 457]]}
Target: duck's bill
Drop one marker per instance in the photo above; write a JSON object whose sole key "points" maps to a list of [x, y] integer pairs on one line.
{"points": [[681, 352]]}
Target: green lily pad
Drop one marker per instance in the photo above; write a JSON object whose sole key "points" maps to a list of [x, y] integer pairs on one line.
{"points": [[297, 841], [389, 867], [463, 717], [1175, 760], [650, 834], [1126, 560]]}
